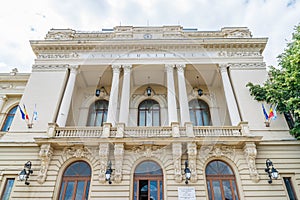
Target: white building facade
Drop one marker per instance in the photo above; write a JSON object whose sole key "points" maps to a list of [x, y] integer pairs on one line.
{"points": [[143, 113]]}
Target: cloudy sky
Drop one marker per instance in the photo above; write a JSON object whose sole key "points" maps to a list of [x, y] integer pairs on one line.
{"points": [[22, 21]]}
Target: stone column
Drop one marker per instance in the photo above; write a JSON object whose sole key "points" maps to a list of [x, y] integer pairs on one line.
{"points": [[183, 100], [3, 99], [124, 107], [229, 96], [172, 106], [67, 98], [113, 97]]}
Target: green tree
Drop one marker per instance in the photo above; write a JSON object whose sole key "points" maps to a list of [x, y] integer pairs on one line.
{"points": [[283, 85]]}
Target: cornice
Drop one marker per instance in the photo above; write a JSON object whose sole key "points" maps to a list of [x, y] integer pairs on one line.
{"points": [[49, 67]]}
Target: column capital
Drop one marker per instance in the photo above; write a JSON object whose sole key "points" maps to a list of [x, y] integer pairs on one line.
{"points": [[3, 98], [127, 67], [223, 67], [74, 68], [116, 68], [180, 67]]}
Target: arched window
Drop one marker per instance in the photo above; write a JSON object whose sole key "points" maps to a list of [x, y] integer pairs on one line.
{"points": [[148, 181], [149, 113], [220, 181], [199, 113], [9, 118], [98, 113], [76, 182]]}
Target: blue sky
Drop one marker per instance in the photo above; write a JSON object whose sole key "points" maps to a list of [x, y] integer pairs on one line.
{"points": [[22, 21]]}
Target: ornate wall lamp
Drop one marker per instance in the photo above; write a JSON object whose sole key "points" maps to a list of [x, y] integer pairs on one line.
{"points": [[148, 89], [272, 172], [24, 174], [187, 172], [108, 173]]}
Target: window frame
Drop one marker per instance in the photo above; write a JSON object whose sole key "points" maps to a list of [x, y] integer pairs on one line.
{"points": [[75, 179], [4, 186], [148, 110], [202, 108], [220, 178], [96, 111], [291, 177], [11, 116]]}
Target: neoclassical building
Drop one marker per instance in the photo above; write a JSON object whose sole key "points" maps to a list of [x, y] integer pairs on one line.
{"points": [[143, 113]]}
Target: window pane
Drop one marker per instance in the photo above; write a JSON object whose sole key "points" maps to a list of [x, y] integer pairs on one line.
{"points": [[62, 188], [289, 188], [87, 190], [217, 190], [155, 118], [9, 118], [69, 191], [91, 121], [98, 119], [79, 190], [149, 118], [8, 188], [234, 189], [148, 167], [227, 190], [78, 169], [199, 118], [142, 118], [153, 190], [135, 190], [208, 190], [161, 190]]}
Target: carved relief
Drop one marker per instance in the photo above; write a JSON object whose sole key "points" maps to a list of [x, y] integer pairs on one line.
{"points": [[215, 151], [192, 157], [177, 152], [148, 150], [250, 154], [60, 34], [119, 155], [45, 154], [103, 154], [77, 152]]}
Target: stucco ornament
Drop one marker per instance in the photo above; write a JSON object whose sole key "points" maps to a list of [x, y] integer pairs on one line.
{"points": [[250, 154], [192, 157], [77, 152], [177, 152], [119, 155], [103, 155], [45, 154]]}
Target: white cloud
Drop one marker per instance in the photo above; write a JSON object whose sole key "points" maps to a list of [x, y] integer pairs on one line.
{"points": [[22, 21]]}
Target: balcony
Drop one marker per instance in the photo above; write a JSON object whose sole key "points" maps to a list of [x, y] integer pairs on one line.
{"points": [[224, 135]]}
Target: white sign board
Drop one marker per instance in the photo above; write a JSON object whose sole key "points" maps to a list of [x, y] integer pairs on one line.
{"points": [[186, 193]]}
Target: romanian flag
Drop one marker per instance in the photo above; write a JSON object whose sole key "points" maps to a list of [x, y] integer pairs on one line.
{"points": [[25, 111], [265, 112], [271, 113], [22, 113]]}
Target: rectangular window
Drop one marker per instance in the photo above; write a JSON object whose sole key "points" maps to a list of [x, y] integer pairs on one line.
{"points": [[7, 188], [289, 188]]}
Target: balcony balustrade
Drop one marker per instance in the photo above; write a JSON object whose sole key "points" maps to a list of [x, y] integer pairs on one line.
{"points": [[148, 132]]}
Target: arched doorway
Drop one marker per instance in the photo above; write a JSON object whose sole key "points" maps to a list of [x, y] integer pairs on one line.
{"points": [[148, 181]]}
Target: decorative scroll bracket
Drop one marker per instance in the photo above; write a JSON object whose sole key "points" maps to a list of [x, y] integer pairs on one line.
{"points": [[177, 152], [250, 154], [119, 155], [192, 157], [103, 154], [45, 154]]}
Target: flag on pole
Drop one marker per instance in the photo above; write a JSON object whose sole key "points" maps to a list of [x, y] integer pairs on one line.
{"points": [[25, 111], [265, 112], [35, 114], [275, 113], [271, 113], [22, 113]]}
